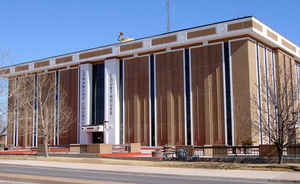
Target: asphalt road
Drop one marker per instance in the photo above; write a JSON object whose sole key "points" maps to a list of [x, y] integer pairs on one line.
{"points": [[32, 174]]}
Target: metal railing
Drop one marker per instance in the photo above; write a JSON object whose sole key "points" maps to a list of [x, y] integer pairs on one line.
{"points": [[243, 151], [198, 152]]}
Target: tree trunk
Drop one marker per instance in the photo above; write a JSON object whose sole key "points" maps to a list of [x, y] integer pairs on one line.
{"points": [[46, 146], [280, 153]]}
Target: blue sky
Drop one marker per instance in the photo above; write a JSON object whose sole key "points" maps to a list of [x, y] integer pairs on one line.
{"points": [[34, 29]]}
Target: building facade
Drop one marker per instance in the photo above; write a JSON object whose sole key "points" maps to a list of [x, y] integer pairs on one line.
{"points": [[188, 87]]}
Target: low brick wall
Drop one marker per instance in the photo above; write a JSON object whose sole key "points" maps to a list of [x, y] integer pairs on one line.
{"points": [[157, 154], [134, 148], [59, 149], [105, 149], [215, 150], [268, 150], [293, 150], [41, 149], [83, 148], [75, 148], [99, 148]]}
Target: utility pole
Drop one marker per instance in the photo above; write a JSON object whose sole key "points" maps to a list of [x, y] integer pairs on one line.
{"points": [[168, 15]]}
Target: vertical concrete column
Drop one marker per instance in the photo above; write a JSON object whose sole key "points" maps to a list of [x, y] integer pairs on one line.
{"points": [[112, 103], [85, 101]]}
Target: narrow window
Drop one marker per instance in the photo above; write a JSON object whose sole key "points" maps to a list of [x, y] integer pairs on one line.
{"points": [[228, 94], [98, 94], [121, 102], [188, 96], [152, 78]]}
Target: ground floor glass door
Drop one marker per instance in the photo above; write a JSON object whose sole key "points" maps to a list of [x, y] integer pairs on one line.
{"points": [[98, 137]]}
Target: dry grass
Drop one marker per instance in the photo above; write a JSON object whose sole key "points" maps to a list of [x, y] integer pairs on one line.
{"points": [[176, 164]]}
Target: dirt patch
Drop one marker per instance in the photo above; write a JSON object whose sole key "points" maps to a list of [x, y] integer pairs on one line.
{"points": [[176, 164]]}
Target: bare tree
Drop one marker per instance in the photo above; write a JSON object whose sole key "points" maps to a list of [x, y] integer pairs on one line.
{"points": [[2, 134], [43, 98], [2, 131], [3, 108], [3, 113], [277, 111], [46, 116], [4, 58]]}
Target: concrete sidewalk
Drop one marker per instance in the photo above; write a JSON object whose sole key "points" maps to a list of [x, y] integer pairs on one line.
{"points": [[236, 174]]}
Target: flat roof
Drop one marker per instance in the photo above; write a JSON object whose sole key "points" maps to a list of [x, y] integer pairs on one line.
{"points": [[248, 25]]}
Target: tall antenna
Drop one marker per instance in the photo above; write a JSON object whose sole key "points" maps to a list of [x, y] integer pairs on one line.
{"points": [[168, 15]]}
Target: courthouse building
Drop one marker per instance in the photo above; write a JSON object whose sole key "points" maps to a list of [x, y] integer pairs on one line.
{"points": [[187, 87]]}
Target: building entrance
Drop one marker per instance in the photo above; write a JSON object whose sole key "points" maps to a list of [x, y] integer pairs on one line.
{"points": [[98, 137]]}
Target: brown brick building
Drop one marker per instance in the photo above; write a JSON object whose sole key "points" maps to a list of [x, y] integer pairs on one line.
{"points": [[187, 87]]}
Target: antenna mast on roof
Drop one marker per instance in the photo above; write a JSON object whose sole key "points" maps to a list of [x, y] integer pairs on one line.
{"points": [[168, 15]]}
